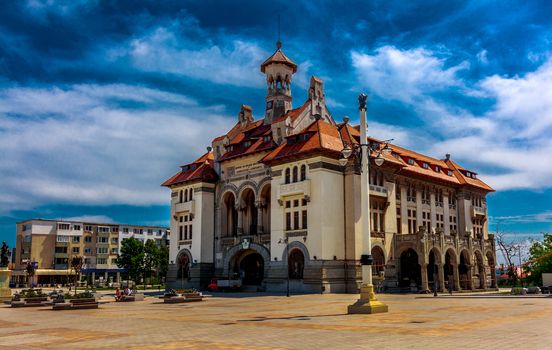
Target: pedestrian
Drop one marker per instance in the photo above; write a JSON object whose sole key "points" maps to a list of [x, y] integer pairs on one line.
{"points": [[450, 283]]}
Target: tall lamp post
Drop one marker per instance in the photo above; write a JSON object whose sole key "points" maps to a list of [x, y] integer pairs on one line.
{"points": [[286, 241], [367, 302]]}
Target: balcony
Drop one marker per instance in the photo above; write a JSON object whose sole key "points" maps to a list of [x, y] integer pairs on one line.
{"points": [[301, 188], [478, 211], [378, 191], [185, 207]]}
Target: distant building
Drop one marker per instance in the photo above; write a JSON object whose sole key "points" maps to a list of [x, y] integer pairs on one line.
{"points": [[50, 244], [279, 179]]}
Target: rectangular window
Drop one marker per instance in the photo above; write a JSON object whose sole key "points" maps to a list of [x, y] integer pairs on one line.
{"points": [[115, 229], [101, 250], [180, 233], [304, 220], [190, 232], [64, 226], [114, 240], [295, 220], [86, 261], [87, 251], [76, 250], [76, 239], [150, 231], [88, 228], [76, 227], [62, 239], [88, 239], [125, 229], [296, 203], [103, 229], [102, 239], [114, 250], [185, 232], [288, 221], [101, 261], [114, 261], [288, 204]]}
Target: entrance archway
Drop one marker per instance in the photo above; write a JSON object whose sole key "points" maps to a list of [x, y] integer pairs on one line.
{"points": [[229, 215], [450, 269], [492, 269], [480, 268], [249, 266], [379, 260], [296, 264], [410, 272], [434, 262], [249, 212], [265, 209], [464, 270]]}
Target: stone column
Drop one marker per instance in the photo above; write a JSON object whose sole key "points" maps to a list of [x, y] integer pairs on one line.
{"points": [[259, 206], [240, 219], [93, 278], [118, 277], [106, 278], [425, 285], [441, 273], [446, 214], [456, 274]]}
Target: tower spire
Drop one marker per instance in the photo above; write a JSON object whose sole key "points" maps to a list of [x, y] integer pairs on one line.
{"points": [[279, 42]]}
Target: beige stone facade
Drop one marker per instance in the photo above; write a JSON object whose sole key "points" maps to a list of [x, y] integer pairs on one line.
{"points": [[270, 203], [50, 244]]}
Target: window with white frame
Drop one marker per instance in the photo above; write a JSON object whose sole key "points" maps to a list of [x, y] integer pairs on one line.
{"points": [[412, 221], [62, 239], [296, 214], [101, 250], [63, 226], [101, 261], [411, 193]]}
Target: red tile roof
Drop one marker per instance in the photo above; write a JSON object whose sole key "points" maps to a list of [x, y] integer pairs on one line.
{"points": [[200, 170]]}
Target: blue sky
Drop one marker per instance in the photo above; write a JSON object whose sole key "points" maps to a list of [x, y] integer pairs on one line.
{"points": [[100, 102]]}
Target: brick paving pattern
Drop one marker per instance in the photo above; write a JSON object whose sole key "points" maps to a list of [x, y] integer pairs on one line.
{"points": [[276, 322]]}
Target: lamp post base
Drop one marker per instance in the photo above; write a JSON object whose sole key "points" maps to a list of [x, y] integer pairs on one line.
{"points": [[367, 303]]}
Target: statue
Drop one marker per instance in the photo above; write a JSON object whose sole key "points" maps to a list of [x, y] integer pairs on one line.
{"points": [[4, 255], [362, 102]]}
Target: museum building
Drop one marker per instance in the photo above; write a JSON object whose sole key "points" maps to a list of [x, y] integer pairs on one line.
{"points": [[272, 202]]}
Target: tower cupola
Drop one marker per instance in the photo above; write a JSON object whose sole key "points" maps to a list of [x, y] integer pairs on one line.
{"points": [[278, 70]]}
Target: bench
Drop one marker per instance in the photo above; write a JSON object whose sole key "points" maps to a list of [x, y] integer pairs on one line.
{"points": [[28, 304], [76, 304], [134, 297]]}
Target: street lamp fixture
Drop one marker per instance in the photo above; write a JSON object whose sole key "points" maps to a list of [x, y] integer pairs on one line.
{"points": [[367, 302]]}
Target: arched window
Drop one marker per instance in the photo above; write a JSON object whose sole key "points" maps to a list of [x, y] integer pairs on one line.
{"points": [[303, 172], [180, 196], [294, 174], [296, 264], [287, 176]]}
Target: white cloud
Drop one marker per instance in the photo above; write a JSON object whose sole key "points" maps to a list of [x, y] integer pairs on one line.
{"points": [[103, 219], [164, 51], [87, 144], [404, 74], [509, 145]]}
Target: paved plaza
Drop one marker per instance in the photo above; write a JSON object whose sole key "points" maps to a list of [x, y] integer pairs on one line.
{"points": [[276, 322]]}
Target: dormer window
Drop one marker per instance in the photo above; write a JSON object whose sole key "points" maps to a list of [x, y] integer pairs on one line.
{"points": [[468, 174], [449, 173], [267, 138], [437, 168], [411, 161], [247, 144], [185, 168], [425, 165]]}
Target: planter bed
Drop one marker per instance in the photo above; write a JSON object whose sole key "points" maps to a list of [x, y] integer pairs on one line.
{"points": [[76, 304], [183, 299]]}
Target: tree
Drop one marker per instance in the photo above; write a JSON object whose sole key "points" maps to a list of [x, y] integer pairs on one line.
{"points": [[540, 255], [76, 264], [30, 270], [151, 258], [509, 249], [131, 258], [4, 255], [163, 261]]}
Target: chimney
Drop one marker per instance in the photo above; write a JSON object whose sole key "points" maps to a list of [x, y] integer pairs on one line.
{"points": [[447, 156]]}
